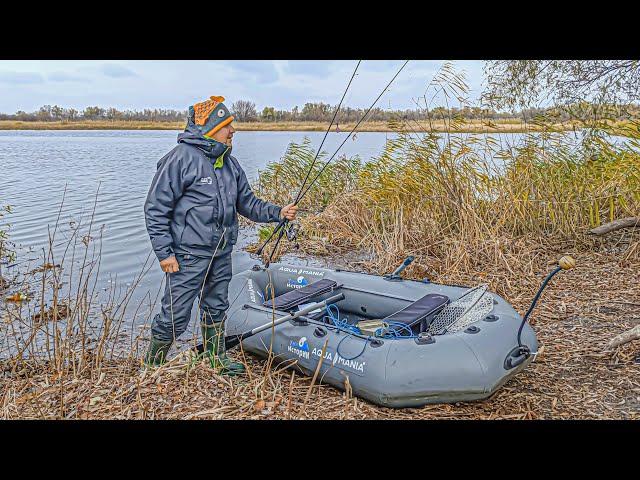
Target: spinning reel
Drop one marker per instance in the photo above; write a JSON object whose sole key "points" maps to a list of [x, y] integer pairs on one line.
{"points": [[292, 230]]}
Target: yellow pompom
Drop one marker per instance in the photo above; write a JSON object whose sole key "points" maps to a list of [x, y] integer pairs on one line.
{"points": [[566, 262]]}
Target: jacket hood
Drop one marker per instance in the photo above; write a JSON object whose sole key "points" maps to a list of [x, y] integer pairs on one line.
{"points": [[193, 136]]}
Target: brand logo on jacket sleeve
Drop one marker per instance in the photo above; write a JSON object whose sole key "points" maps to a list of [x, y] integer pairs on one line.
{"points": [[207, 180]]}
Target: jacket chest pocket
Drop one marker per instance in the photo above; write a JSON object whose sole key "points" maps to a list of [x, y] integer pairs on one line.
{"points": [[200, 223]]}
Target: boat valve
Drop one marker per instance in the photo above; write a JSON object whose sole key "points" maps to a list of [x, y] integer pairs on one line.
{"points": [[516, 357]]}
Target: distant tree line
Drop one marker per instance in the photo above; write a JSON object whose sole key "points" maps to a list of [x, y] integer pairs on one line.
{"points": [[246, 111], [48, 113]]}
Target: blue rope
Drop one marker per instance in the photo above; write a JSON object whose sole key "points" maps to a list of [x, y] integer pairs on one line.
{"points": [[342, 324], [395, 330], [392, 331], [339, 323]]}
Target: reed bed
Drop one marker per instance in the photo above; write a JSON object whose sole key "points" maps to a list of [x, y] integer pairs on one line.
{"points": [[496, 126], [458, 203]]}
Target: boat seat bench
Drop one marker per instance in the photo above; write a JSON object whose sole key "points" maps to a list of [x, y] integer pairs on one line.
{"points": [[296, 297], [421, 311]]}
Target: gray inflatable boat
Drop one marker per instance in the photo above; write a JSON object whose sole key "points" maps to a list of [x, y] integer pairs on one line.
{"points": [[391, 340]]}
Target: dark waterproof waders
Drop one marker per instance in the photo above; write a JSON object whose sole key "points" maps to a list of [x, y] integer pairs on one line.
{"points": [[182, 288]]}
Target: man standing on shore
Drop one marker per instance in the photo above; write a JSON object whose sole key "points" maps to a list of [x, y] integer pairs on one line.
{"points": [[191, 217]]}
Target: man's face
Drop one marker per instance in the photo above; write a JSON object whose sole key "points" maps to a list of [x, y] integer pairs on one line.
{"points": [[225, 134]]}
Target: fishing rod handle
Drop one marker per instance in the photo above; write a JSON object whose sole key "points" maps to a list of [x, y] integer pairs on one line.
{"points": [[275, 247], [275, 230]]}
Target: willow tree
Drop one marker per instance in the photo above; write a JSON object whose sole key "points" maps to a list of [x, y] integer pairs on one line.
{"points": [[591, 91]]}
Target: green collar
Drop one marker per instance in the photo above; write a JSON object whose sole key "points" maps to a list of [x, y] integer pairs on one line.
{"points": [[220, 160]]}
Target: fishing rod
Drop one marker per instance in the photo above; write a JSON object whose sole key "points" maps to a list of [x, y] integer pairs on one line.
{"points": [[297, 199], [335, 114], [283, 222], [353, 130]]}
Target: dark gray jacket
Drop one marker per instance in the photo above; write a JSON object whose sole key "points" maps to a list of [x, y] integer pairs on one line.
{"points": [[190, 203]]}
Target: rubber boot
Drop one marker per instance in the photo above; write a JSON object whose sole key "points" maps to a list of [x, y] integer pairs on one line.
{"points": [[213, 342], [157, 353]]}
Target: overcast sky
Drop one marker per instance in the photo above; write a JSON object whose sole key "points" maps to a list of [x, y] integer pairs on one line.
{"points": [[28, 84]]}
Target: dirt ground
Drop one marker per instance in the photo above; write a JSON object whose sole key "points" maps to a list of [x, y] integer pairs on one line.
{"points": [[573, 377]]}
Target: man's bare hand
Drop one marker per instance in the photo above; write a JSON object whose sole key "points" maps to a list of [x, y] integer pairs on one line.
{"points": [[169, 265], [289, 211]]}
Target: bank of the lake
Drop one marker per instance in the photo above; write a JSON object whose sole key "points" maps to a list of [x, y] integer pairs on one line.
{"points": [[470, 126]]}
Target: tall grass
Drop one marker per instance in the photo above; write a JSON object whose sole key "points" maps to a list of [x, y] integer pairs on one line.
{"points": [[69, 350], [464, 203], [59, 324], [282, 180]]}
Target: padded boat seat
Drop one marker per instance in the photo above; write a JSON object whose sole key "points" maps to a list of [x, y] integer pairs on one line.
{"points": [[422, 310], [293, 298]]}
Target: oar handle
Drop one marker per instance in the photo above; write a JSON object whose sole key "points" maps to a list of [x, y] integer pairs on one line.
{"points": [[565, 263]]}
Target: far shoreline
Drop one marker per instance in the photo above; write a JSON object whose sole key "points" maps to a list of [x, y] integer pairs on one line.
{"points": [[471, 126]]}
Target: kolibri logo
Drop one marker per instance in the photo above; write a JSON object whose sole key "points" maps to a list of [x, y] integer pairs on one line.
{"points": [[299, 348], [297, 283]]}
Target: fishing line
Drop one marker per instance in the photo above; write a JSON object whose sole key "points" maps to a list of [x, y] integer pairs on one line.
{"points": [[297, 199], [204, 280], [335, 114], [300, 196], [353, 130], [173, 325]]}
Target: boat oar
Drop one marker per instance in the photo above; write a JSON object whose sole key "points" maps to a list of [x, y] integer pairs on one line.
{"points": [[233, 340], [395, 275]]}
